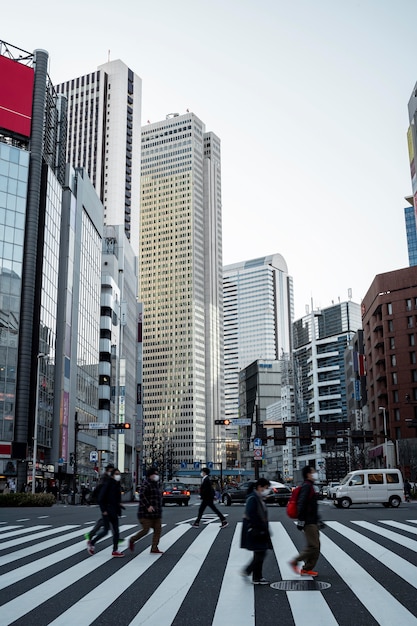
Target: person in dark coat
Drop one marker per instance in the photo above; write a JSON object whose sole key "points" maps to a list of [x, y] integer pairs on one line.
{"points": [[255, 530], [309, 522], [110, 502], [100, 523], [150, 511], [207, 499]]}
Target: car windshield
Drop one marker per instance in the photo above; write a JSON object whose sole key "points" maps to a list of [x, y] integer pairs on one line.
{"points": [[346, 479]]}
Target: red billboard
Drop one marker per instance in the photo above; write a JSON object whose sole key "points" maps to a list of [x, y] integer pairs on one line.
{"points": [[16, 94]]}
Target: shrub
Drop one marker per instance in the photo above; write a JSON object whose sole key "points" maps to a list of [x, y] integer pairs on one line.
{"points": [[27, 499]]}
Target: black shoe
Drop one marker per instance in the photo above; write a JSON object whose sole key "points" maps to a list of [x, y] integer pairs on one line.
{"points": [[261, 581], [195, 525]]}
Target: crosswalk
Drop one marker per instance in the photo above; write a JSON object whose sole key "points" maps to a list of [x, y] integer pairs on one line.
{"points": [[48, 579]]}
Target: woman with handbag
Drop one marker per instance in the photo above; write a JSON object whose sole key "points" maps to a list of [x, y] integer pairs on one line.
{"points": [[255, 531]]}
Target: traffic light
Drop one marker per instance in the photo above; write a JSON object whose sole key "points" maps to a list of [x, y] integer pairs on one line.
{"points": [[222, 422], [120, 426], [305, 433], [280, 438]]}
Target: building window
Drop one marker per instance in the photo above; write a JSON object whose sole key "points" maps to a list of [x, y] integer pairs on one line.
{"points": [[395, 396], [397, 416], [410, 321], [391, 326], [394, 378], [398, 433], [393, 360], [411, 340], [392, 343], [408, 304], [389, 308], [413, 358], [414, 376]]}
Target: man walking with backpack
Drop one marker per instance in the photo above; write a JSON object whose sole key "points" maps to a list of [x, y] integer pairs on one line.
{"points": [[309, 522]]}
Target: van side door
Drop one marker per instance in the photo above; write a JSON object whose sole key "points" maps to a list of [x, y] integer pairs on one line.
{"points": [[377, 489]]}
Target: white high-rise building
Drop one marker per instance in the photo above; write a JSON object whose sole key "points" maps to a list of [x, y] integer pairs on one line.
{"points": [[104, 126], [181, 291], [258, 313]]}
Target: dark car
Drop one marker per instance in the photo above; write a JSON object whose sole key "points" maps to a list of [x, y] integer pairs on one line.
{"points": [[175, 492], [279, 494]]}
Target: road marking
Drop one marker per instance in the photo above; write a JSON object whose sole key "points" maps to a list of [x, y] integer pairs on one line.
{"points": [[236, 602], [38, 547], [13, 610], [16, 533], [384, 608], [165, 602], [100, 598], [303, 604], [8, 528], [388, 534]]}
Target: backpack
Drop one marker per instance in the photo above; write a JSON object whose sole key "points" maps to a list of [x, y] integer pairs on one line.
{"points": [[292, 503]]}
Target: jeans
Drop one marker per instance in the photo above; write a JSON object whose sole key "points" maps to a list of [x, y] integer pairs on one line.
{"points": [[107, 520]]}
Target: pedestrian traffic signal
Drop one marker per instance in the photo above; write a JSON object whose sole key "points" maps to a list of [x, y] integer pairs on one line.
{"points": [[222, 422]]}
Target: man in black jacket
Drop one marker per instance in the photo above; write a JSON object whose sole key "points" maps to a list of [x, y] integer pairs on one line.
{"points": [[96, 493], [309, 522], [207, 497]]}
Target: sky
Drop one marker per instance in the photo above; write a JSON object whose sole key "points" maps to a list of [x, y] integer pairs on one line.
{"points": [[308, 97]]}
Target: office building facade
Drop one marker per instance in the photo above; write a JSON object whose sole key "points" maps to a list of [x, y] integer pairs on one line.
{"points": [[320, 340], [180, 288], [258, 313], [104, 129], [411, 232]]}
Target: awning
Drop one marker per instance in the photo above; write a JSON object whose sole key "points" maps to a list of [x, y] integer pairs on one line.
{"points": [[376, 451]]}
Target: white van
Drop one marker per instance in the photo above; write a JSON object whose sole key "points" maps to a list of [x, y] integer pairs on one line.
{"points": [[385, 486]]}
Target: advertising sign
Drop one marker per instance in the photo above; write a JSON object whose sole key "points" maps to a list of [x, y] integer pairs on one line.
{"points": [[16, 94]]}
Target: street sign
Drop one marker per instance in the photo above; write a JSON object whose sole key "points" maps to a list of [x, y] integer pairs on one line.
{"points": [[183, 464], [196, 465], [257, 454], [60, 462], [97, 426], [257, 442], [210, 464], [93, 456], [241, 422]]}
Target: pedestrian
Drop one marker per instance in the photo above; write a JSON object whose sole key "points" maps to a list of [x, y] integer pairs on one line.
{"points": [[110, 501], [207, 499], [255, 530], [309, 522], [103, 480], [407, 490], [149, 511]]}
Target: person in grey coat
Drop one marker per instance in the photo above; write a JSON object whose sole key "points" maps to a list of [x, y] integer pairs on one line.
{"points": [[255, 531]]}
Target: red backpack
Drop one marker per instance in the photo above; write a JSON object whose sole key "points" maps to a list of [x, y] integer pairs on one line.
{"points": [[292, 503]]}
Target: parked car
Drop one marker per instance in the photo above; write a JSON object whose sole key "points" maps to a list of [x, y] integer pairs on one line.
{"points": [[232, 495], [177, 493]]}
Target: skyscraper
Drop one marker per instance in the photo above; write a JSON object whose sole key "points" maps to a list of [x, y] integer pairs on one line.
{"points": [[258, 313], [104, 117], [411, 232], [181, 291]]}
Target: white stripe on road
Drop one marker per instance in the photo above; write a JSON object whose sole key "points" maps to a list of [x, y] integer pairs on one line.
{"points": [[18, 533], [2, 530], [384, 608], [38, 547], [165, 602], [236, 602], [395, 563], [400, 526], [303, 605], [388, 534], [94, 603], [13, 610]]}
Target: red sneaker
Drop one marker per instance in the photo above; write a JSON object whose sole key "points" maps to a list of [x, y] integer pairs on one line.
{"points": [[294, 566], [117, 553], [308, 572], [156, 551]]}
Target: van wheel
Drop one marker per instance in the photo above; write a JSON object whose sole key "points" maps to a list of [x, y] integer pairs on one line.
{"points": [[394, 501], [345, 503]]}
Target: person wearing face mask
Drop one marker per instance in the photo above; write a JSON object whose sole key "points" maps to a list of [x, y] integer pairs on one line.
{"points": [[255, 530], [309, 522], [110, 502], [207, 499], [150, 511], [100, 523]]}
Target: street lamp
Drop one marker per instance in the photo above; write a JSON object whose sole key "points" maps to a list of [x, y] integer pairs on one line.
{"points": [[41, 355], [384, 413]]}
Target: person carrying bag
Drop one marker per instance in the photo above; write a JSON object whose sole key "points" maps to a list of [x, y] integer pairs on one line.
{"points": [[255, 531]]}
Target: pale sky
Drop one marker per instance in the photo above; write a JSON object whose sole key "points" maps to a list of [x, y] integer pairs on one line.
{"points": [[308, 97]]}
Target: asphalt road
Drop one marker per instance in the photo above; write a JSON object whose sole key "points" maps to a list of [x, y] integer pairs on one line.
{"points": [[368, 566]]}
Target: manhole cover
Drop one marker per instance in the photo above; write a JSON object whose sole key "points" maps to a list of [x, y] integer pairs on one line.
{"points": [[300, 585]]}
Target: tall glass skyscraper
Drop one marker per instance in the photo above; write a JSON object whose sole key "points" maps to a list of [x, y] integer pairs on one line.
{"points": [[411, 231], [258, 313], [181, 291]]}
